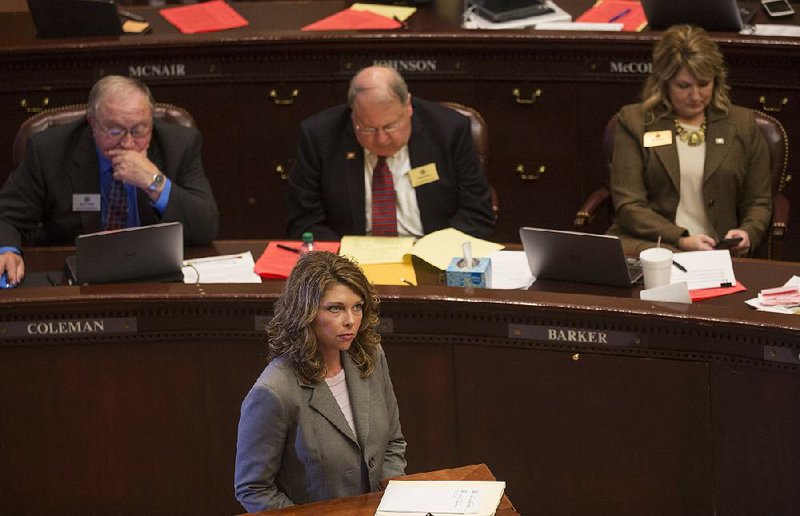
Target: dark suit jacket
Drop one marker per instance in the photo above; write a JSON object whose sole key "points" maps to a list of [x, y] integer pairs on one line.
{"points": [[295, 445], [36, 200], [326, 184], [645, 182]]}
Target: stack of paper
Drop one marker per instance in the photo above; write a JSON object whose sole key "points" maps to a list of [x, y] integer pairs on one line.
{"points": [[781, 300], [412, 498], [230, 268]]}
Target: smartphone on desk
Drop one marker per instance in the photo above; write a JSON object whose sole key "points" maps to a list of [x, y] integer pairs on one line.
{"points": [[777, 8]]}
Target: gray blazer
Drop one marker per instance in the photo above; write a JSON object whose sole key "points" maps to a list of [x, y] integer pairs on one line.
{"points": [[295, 445], [645, 182]]}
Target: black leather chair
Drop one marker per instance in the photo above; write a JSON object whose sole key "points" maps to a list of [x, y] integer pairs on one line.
{"points": [[778, 145], [480, 137]]}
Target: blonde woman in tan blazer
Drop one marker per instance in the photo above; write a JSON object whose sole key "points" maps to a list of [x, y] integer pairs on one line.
{"points": [[689, 167]]}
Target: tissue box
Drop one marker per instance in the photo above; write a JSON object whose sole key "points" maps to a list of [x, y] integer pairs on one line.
{"points": [[479, 275]]}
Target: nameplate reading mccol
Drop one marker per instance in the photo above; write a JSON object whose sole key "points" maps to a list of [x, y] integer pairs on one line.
{"points": [[572, 335]]}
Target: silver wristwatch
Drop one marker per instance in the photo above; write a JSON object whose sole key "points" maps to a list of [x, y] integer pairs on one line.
{"points": [[158, 180]]}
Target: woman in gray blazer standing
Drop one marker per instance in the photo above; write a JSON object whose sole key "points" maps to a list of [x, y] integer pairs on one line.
{"points": [[322, 420]]}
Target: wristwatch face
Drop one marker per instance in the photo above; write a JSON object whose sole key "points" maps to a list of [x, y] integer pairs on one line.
{"points": [[157, 180]]}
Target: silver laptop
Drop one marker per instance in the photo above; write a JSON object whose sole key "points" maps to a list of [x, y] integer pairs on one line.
{"points": [[713, 15], [142, 254], [579, 257]]}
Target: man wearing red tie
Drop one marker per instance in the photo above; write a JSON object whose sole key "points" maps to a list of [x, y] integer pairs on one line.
{"points": [[386, 164]]}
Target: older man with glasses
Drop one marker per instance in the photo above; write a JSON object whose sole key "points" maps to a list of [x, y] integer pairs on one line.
{"points": [[118, 168], [387, 164]]}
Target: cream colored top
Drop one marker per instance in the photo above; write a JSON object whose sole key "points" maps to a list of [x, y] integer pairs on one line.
{"points": [[338, 386], [691, 213]]}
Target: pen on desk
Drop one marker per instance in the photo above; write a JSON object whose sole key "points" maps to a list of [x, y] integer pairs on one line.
{"points": [[287, 248], [619, 15], [131, 16], [679, 266]]}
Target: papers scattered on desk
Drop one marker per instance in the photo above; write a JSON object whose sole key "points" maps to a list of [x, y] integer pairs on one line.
{"points": [[473, 20], [229, 268], [206, 17], [704, 269], [394, 12], [510, 270], [439, 247], [605, 27], [781, 300], [376, 249], [420, 497]]}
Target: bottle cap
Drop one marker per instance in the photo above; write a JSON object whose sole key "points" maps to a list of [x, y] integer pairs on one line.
{"points": [[308, 236]]}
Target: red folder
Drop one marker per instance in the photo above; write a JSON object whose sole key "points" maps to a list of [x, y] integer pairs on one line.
{"points": [[350, 19], [627, 12], [277, 262], [206, 17]]}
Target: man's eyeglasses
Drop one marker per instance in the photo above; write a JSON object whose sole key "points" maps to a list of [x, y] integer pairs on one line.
{"points": [[388, 128], [118, 133]]}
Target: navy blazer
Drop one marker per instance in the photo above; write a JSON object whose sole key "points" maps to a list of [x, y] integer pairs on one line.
{"points": [[326, 183], [36, 200], [295, 445]]}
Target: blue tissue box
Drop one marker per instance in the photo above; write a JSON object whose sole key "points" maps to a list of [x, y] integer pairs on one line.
{"points": [[479, 275]]}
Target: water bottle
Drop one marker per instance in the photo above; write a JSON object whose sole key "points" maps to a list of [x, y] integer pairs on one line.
{"points": [[308, 243]]}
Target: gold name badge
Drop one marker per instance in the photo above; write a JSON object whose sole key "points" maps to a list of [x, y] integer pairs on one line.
{"points": [[423, 175], [657, 138]]}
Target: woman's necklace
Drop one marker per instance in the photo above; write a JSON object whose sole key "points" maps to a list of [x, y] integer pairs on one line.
{"points": [[694, 138]]}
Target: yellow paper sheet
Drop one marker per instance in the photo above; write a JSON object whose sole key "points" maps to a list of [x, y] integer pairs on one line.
{"points": [[390, 11], [391, 273], [439, 248], [368, 250]]}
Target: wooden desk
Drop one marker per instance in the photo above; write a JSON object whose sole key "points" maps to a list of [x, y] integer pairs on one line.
{"points": [[249, 88], [124, 399], [366, 505]]}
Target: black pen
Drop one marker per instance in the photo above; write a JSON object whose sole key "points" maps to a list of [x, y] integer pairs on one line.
{"points": [[287, 248], [131, 16], [679, 266]]}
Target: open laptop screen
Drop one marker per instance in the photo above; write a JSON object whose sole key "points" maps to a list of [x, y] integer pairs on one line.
{"points": [[712, 15]]}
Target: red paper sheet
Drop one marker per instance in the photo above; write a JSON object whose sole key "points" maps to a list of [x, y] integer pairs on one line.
{"points": [[275, 262], [706, 293], [627, 12], [206, 17], [350, 19]]}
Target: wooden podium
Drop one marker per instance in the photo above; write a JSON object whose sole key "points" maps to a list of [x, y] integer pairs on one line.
{"points": [[366, 505]]}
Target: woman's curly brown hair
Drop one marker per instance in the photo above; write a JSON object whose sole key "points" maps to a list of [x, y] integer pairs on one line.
{"points": [[291, 331]]}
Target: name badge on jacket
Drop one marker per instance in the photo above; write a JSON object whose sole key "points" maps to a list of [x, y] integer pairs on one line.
{"points": [[86, 202], [657, 138], [423, 175]]}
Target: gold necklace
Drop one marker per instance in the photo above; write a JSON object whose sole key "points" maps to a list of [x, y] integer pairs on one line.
{"points": [[694, 138]]}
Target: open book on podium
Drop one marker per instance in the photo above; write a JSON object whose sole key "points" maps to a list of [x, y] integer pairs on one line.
{"points": [[440, 497]]}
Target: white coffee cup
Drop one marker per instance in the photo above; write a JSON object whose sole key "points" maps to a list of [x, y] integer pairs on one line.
{"points": [[656, 266]]}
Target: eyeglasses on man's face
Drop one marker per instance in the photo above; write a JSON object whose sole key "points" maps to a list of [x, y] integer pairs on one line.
{"points": [[388, 128], [118, 133]]}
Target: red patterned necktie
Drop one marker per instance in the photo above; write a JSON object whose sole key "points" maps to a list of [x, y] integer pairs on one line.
{"points": [[384, 214], [117, 210]]}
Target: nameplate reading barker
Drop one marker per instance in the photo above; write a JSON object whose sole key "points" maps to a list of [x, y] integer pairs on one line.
{"points": [[67, 327], [572, 335]]}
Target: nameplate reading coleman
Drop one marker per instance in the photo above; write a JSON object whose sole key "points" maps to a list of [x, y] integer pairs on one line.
{"points": [[572, 335], [68, 327]]}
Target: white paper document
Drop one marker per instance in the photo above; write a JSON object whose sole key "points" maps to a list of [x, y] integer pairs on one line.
{"points": [[673, 293], [771, 29], [411, 498], [510, 270], [229, 268], [704, 269]]}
